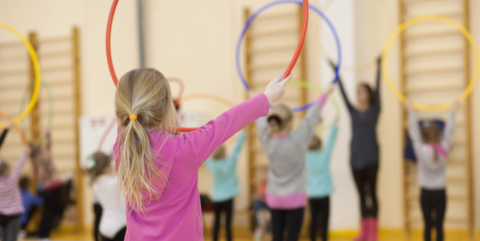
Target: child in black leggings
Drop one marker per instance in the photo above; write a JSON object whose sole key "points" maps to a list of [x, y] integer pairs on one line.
{"points": [[431, 147]]}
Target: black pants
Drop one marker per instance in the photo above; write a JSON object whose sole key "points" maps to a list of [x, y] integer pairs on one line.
{"points": [[97, 210], [287, 219], [320, 213], [52, 210], [9, 227], [366, 182], [218, 208], [434, 204], [120, 236]]}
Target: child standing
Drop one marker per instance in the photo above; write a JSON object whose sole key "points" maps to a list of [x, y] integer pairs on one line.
{"points": [[319, 183], [49, 186], [158, 170], [10, 199], [113, 222], [431, 149], [286, 194], [225, 185]]}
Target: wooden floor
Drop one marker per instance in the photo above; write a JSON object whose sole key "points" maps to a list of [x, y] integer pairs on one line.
{"points": [[86, 236]]}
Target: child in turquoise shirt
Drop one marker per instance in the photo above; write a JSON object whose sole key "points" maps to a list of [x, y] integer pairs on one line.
{"points": [[319, 183], [225, 184]]}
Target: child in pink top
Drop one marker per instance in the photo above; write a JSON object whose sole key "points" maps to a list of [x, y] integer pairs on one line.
{"points": [[157, 169]]}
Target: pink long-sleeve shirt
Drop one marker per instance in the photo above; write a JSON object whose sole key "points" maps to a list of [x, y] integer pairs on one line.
{"points": [[10, 198], [176, 213]]}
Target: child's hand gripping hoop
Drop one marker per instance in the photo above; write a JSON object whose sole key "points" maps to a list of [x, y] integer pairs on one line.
{"points": [[410, 22], [310, 86], [17, 127], [306, 6], [36, 68]]}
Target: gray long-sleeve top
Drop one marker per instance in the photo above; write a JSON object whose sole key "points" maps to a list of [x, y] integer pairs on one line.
{"points": [[286, 186], [364, 150], [431, 171]]}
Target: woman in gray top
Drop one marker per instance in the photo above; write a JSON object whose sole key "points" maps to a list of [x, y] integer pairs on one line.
{"points": [[431, 148], [364, 152]]}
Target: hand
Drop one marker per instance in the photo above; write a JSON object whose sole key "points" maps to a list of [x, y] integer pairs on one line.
{"points": [[276, 88], [9, 124], [27, 151], [408, 105], [330, 89]]}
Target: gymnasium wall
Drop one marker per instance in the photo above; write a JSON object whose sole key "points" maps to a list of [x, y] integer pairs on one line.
{"points": [[196, 43]]}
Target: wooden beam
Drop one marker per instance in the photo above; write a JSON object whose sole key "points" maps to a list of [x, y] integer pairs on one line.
{"points": [[251, 155], [75, 38], [470, 209], [404, 114], [35, 131]]}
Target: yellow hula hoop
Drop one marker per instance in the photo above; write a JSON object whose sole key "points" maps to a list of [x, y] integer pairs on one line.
{"points": [[307, 85], [36, 67], [366, 65], [410, 22]]}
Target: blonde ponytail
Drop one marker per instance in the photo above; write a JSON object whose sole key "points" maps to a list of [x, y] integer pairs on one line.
{"points": [[145, 94]]}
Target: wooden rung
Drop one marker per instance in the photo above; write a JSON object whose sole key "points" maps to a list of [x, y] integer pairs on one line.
{"points": [[60, 82], [13, 85], [456, 179], [456, 161], [458, 143], [272, 49], [11, 58], [57, 68], [55, 39], [11, 44], [14, 72], [416, 1], [445, 33], [439, 88], [444, 14], [434, 71], [54, 54], [58, 112], [431, 53], [276, 16], [269, 66], [258, 34]]}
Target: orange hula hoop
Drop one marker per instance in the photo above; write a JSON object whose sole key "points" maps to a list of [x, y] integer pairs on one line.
{"points": [[17, 127]]}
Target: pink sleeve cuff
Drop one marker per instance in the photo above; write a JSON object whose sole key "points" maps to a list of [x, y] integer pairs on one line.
{"points": [[321, 101]]}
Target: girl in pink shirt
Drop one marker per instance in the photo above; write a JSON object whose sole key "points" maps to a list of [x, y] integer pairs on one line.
{"points": [[157, 169]]}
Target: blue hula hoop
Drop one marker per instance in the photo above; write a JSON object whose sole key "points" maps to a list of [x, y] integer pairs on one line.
{"points": [[267, 6]]}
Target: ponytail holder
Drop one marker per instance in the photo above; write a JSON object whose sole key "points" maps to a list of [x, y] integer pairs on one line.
{"points": [[133, 117]]}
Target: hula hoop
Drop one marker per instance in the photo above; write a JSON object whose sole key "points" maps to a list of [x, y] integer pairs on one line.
{"points": [[415, 20], [182, 88], [36, 68], [262, 9], [368, 64], [109, 55], [307, 85], [17, 127], [50, 103], [215, 98]]}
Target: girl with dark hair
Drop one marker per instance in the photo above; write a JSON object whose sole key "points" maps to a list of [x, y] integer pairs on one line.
{"points": [[431, 149], [364, 152]]}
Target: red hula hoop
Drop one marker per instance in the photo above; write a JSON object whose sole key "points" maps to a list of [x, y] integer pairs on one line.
{"points": [[303, 34]]}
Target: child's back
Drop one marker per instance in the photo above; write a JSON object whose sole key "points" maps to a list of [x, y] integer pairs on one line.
{"points": [[319, 178]]}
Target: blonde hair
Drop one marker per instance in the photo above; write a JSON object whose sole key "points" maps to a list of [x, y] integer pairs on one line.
{"points": [[143, 92]]}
